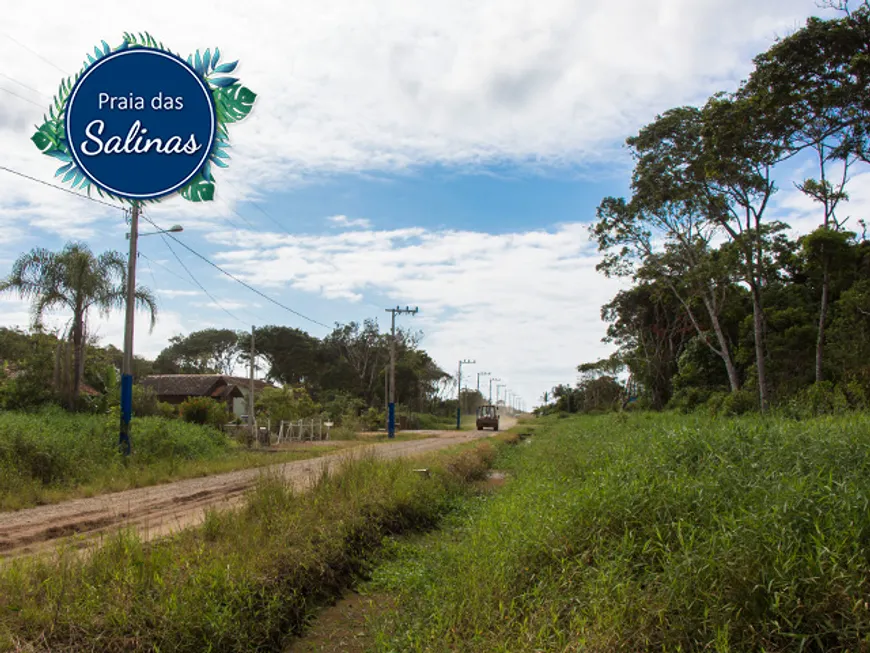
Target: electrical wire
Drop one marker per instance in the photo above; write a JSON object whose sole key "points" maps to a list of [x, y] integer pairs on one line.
{"points": [[35, 53], [23, 85], [236, 279], [21, 97], [65, 190], [201, 287], [187, 247]]}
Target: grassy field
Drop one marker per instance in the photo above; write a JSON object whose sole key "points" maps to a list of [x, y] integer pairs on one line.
{"points": [[650, 533], [52, 456], [245, 580]]}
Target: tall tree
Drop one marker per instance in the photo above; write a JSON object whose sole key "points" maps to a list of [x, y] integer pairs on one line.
{"points": [[740, 152], [667, 225], [74, 280], [810, 87], [209, 351]]}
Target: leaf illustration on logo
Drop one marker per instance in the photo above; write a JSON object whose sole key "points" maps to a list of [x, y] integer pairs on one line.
{"points": [[234, 102], [198, 190]]}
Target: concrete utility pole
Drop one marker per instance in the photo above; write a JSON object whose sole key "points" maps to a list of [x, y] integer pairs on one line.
{"points": [[391, 408], [480, 374], [251, 421], [491, 379], [462, 362], [498, 392], [127, 362]]}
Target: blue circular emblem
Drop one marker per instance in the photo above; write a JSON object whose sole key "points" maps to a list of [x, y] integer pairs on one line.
{"points": [[140, 123]]}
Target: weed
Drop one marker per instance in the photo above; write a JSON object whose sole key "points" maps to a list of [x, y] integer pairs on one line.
{"points": [[245, 580], [656, 532]]}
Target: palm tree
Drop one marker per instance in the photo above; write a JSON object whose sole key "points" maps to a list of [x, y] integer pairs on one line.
{"points": [[74, 280]]}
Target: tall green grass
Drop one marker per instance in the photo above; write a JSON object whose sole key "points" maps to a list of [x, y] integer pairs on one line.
{"points": [[654, 532], [243, 581], [49, 453]]}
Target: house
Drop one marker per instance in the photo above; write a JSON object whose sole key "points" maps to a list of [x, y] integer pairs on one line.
{"points": [[232, 390]]}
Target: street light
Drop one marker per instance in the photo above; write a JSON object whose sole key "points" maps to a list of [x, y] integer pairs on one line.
{"points": [[491, 379], [462, 362], [480, 374], [130, 311], [174, 229]]}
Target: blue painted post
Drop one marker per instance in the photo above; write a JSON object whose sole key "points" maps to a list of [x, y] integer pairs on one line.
{"points": [[392, 422], [126, 412], [127, 363]]}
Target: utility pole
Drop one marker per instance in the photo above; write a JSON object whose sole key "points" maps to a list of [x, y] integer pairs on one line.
{"points": [[498, 392], [462, 362], [491, 379], [391, 409], [480, 374], [251, 421], [127, 362]]}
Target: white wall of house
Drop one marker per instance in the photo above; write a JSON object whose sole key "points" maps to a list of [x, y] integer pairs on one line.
{"points": [[240, 406]]}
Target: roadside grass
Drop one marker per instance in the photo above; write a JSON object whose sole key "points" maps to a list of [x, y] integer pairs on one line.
{"points": [[52, 456], [245, 580], [650, 532]]}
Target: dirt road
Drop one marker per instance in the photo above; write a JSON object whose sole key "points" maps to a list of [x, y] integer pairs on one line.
{"points": [[162, 509]]}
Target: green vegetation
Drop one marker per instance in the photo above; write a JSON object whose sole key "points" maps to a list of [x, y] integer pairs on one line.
{"points": [[53, 455], [651, 533], [243, 581], [723, 298]]}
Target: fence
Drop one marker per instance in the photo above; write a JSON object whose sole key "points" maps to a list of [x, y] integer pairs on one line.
{"points": [[302, 430]]}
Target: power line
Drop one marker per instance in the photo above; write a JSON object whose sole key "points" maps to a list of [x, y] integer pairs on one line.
{"points": [[167, 268], [36, 53], [21, 97], [65, 190], [201, 287], [261, 210], [22, 84], [236, 279]]}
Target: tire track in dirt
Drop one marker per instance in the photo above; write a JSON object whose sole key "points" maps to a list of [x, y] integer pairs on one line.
{"points": [[160, 510]]}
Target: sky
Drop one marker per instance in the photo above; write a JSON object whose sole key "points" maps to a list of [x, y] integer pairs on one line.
{"points": [[445, 155]]}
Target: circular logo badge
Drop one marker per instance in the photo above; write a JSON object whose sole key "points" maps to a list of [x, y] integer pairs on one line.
{"points": [[140, 123]]}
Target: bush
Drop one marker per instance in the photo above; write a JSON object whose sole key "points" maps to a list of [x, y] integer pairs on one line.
{"points": [[166, 410], [689, 399], [145, 401], [204, 410], [826, 398], [731, 404], [56, 449]]}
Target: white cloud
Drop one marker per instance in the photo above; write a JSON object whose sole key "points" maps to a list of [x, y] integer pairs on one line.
{"points": [[168, 292], [524, 305], [384, 86], [108, 329], [804, 215], [344, 221], [381, 86]]}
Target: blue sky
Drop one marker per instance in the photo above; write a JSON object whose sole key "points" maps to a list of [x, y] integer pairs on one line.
{"points": [[445, 156]]}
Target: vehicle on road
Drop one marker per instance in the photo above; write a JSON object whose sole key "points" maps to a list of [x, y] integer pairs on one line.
{"points": [[487, 418]]}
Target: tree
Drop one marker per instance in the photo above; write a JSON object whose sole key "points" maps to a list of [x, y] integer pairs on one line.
{"points": [[740, 151], [811, 89], [669, 204], [209, 351], [651, 329], [292, 354], [77, 281], [287, 403]]}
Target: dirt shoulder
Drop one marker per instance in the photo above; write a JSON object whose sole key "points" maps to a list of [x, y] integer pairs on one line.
{"points": [[160, 510]]}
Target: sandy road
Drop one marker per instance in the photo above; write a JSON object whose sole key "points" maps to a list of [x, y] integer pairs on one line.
{"points": [[162, 509]]}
